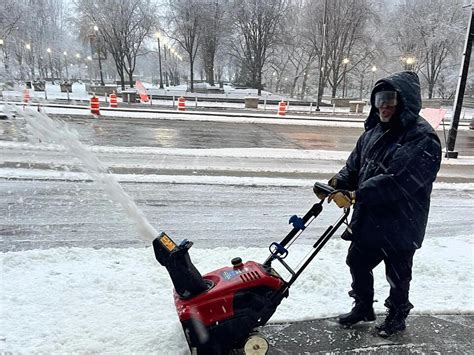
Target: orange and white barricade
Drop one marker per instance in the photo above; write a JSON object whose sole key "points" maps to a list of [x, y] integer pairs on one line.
{"points": [[144, 98], [113, 100], [26, 96], [434, 116], [282, 108], [95, 107], [181, 104], [142, 91]]}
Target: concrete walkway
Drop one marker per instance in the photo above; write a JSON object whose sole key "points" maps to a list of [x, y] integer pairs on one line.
{"points": [[425, 334]]}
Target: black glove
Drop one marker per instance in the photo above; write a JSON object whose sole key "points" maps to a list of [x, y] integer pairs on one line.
{"points": [[347, 235], [333, 182], [343, 198]]}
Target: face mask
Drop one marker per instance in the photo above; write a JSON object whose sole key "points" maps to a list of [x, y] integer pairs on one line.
{"points": [[385, 97]]}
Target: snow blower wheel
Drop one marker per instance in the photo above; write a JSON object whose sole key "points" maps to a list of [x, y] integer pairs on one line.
{"points": [[256, 345]]}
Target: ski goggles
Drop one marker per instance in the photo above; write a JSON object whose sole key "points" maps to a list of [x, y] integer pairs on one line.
{"points": [[385, 97]]}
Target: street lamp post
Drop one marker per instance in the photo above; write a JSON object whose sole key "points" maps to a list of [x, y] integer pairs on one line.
{"points": [[175, 72], [90, 70], [271, 80], [99, 53], [321, 59], [42, 68], [345, 62], [159, 59], [65, 62], [408, 62], [50, 65], [94, 37], [374, 69], [167, 80], [458, 100], [32, 62], [78, 57]]}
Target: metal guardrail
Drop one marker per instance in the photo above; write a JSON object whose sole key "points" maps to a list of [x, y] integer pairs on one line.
{"points": [[234, 100]]}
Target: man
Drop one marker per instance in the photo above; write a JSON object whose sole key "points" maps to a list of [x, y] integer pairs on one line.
{"points": [[388, 178]]}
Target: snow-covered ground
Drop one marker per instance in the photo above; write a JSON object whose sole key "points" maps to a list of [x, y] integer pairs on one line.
{"points": [[108, 301]]}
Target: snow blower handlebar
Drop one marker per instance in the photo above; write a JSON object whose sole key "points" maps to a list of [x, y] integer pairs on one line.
{"points": [[322, 188], [278, 251], [319, 245]]}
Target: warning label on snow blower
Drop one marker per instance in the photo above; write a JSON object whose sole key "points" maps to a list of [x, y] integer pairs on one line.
{"points": [[167, 242]]}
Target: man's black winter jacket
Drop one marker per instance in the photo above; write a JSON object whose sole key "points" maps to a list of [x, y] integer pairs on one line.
{"points": [[392, 170]]}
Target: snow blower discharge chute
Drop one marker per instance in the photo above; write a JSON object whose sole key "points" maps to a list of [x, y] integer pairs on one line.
{"points": [[221, 311]]}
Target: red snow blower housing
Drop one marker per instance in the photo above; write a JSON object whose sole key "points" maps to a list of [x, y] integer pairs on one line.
{"points": [[221, 310]]}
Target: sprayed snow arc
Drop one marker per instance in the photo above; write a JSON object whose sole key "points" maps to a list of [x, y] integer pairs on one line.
{"points": [[44, 128]]}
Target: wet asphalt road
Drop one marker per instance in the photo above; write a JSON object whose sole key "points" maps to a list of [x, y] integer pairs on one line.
{"points": [[46, 214], [196, 134], [205, 135]]}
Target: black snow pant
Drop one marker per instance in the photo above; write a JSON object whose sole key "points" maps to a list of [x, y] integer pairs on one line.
{"points": [[398, 264]]}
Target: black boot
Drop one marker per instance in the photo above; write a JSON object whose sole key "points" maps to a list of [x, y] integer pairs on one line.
{"points": [[363, 310], [395, 320]]}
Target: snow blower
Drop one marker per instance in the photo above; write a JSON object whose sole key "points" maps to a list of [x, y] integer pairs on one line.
{"points": [[221, 311]]}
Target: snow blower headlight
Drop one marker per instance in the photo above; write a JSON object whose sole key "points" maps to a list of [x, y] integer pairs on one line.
{"points": [[385, 97]]}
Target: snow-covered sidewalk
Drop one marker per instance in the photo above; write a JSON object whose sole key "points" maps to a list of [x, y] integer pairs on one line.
{"points": [[113, 301]]}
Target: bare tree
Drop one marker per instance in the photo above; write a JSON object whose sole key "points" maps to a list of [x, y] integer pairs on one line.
{"points": [[346, 21], [213, 14], [298, 46], [309, 38], [172, 66], [11, 13], [273, 43], [365, 70], [28, 29], [122, 27], [427, 33], [258, 24], [185, 19]]}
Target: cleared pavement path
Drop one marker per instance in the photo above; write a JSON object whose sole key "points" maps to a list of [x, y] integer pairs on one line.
{"points": [[425, 334]]}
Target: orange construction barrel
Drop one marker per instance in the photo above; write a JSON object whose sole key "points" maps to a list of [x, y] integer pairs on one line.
{"points": [[113, 100], [26, 96], [282, 108], [181, 104], [95, 108]]}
